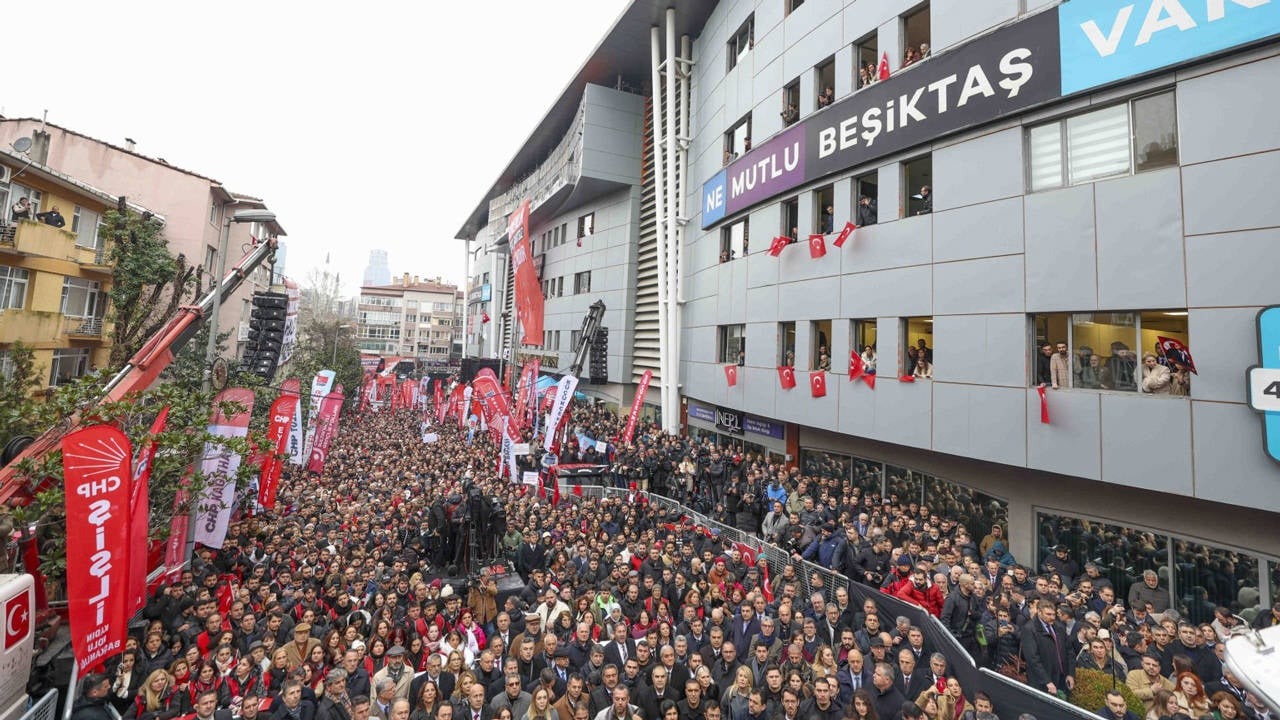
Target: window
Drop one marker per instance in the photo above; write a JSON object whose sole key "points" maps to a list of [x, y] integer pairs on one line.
{"points": [[6, 364], [824, 83], [787, 344], [820, 345], [733, 240], [866, 60], [210, 259], [13, 287], [916, 185], [791, 218], [737, 140], [560, 286], [917, 354], [732, 344], [915, 36], [86, 225], [791, 103], [1131, 137], [866, 199], [1105, 351], [79, 298], [582, 282], [791, 6], [75, 219], [586, 225], [824, 212], [862, 340], [741, 42], [68, 365]]}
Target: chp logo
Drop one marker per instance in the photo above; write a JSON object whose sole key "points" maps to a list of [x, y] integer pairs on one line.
{"points": [[17, 620]]}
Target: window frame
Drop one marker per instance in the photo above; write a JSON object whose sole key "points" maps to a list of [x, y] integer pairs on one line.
{"points": [[79, 357], [727, 240], [909, 203], [735, 51], [582, 282], [1137, 347], [725, 343], [586, 225], [786, 330], [9, 287]]}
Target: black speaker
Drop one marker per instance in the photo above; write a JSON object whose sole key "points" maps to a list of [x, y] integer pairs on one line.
{"points": [[471, 366]]}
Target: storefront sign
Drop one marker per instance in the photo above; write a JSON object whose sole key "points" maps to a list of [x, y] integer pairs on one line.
{"points": [[729, 420], [1104, 40], [1264, 379], [737, 422], [702, 412], [756, 426]]}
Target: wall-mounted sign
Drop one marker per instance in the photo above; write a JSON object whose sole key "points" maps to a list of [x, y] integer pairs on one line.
{"points": [[702, 412], [737, 422], [729, 420], [1264, 379]]}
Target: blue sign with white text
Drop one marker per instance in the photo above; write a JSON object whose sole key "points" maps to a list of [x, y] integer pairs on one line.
{"points": [[1104, 40], [714, 200]]}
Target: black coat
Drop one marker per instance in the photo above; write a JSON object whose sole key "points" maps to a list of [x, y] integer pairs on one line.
{"points": [[1047, 661]]}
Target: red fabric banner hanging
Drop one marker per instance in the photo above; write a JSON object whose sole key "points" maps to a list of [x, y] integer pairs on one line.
{"points": [[277, 442], [849, 227], [176, 546], [1044, 405], [493, 403], [731, 375], [140, 516], [95, 463], [528, 374], [817, 246], [636, 404], [786, 376], [326, 428], [818, 383], [528, 290]]}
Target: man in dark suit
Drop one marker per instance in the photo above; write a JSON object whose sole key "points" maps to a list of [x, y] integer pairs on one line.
{"points": [[911, 681], [621, 648], [744, 626], [291, 705], [852, 676], [884, 693], [1044, 648], [649, 699], [331, 706]]}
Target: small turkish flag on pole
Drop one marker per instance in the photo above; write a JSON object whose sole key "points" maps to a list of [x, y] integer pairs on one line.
{"points": [[731, 375], [817, 246], [849, 227], [1044, 405], [818, 383], [856, 367], [884, 66], [780, 242], [786, 376]]}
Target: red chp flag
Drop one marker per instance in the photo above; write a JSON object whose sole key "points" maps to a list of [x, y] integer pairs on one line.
{"points": [[523, 390], [731, 375], [277, 442], [493, 401], [1044, 405], [140, 516], [528, 291], [884, 66], [786, 376], [326, 428], [845, 234], [636, 404], [95, 463], [777, 245], [818, 383], [817, 246]]}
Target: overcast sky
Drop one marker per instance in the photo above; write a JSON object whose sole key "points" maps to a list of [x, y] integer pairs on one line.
{"points": [[363, 125]]}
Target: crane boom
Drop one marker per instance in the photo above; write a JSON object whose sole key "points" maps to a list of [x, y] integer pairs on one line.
{"points": [[141, 370]]}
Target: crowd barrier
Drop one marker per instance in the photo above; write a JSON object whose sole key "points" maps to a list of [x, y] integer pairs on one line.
{"points": [[1010, 697]]}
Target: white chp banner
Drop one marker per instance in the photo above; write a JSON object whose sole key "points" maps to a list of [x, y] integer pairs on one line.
{"points": [[564, 395]]}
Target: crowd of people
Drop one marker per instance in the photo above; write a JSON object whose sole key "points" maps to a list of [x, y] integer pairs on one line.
{"points": [[353, 601]]}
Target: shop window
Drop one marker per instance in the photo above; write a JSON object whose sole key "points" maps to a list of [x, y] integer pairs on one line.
{"points": [[915, 35], [866, 60], [824, 211], [791, 103], [737, 140], [733, 240], [976, 510], [824, 83], [917, 185], [866, 199], [863, 336], [1105, 351], [820, 345], [741, 42], [868, 475], [903, 486], [787, 344], [917, 355], [1131, 137], [732, 343], [820, 463], [791, 219]]}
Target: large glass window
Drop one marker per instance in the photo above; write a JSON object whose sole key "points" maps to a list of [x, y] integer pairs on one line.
{"points": [[791, 219], [737, 140], [916, 29], [978, 512], [791, 103], [821, 463], [903, 485], [1134, 136], [866, 199], [733, 240], [917, 354], [741, 42], [586, 225], [1208, 577], [67, 365], [732, 342], [1104, 351], [824, 211], [866, 60], [79, 298], [13, 287], [863, 334], [824, 83], [917, 185], [787, 344]]}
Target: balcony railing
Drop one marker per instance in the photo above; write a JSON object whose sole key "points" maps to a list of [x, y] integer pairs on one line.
{"points": [[562, 167], [8, 235], [82, 326]]}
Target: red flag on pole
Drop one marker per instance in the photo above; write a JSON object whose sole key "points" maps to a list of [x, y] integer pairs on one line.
{"points": [[818, 383], [849, 227], [140, 516], [884, 66], [856, 367], [280, 418], [786, 376], [817, 245], [1044, 405], [731, 375], [780, 242], [637, 402]]}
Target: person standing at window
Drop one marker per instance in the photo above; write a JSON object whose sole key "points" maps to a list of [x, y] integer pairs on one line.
{"points": [[1156, 378], [1060, 367]]}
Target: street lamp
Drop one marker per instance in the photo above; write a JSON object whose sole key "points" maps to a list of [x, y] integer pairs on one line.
{"points": [[336, 330], [240, 216]]}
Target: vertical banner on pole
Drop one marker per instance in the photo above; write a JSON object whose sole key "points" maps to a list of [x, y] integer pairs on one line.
{"points": [[528, 291], [636, 404], [219, 466], [326, 428], [140, 516], [564, 395], [281, 417], [293, 386], [321, 384]]}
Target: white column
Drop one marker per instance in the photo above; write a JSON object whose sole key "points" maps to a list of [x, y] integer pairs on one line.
{"points": [[660, 226], [671, 373]]}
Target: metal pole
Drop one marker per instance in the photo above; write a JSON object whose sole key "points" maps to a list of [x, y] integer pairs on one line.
{"points": [[660, 206], [466, 296], [668, 272], [211, 349]]}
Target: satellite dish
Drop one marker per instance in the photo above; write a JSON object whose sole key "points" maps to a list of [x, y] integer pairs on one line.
{"points": [[22, 144]]}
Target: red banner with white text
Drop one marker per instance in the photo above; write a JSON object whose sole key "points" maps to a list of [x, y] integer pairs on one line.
{"points": [[95, 463], [280, 418], [326, 428], [140, 516], [636, 404], [497, 411], [528, 290], [527, 376]]}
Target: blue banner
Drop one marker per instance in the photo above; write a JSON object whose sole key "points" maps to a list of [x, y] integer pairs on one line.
{"points": [[1104, 41]]}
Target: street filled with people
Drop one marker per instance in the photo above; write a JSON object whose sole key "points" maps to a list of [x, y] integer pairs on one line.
{"points": [[371, 592]]}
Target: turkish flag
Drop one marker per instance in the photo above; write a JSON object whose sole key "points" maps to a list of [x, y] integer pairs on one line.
{"points": [[1174, 349], [1044, 405], [870, 380], [780, 242], [856, 367], [17, 619], [731, 375], [849, 227], [786, 376], [884, 66], [484, 318], [907, 378], [818, 383], [577, 490], [817, 246]]}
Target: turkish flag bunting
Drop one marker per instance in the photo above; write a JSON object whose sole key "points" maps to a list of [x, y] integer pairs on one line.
{"points": [[1044, 405], [731, 375], [884, 66], [856, 367], [780, 242], [818, 383], [907, 378], [870, 380], [845, 234], [577, 490], [817, 246], [786, 376]]}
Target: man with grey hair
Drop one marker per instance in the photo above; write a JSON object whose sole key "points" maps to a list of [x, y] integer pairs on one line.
{"points": [[336, 704], [885, 696], [1149, 592]]}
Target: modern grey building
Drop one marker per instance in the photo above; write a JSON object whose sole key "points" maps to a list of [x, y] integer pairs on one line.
{"points": [[1098, 175]]}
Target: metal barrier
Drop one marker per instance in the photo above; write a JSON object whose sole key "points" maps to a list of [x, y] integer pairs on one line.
{"points": [[46, 708], [1009, 696]]}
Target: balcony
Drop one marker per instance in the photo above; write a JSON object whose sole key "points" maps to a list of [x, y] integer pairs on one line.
{"points": [[562, 168], [33, 327], [82, 327]]}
